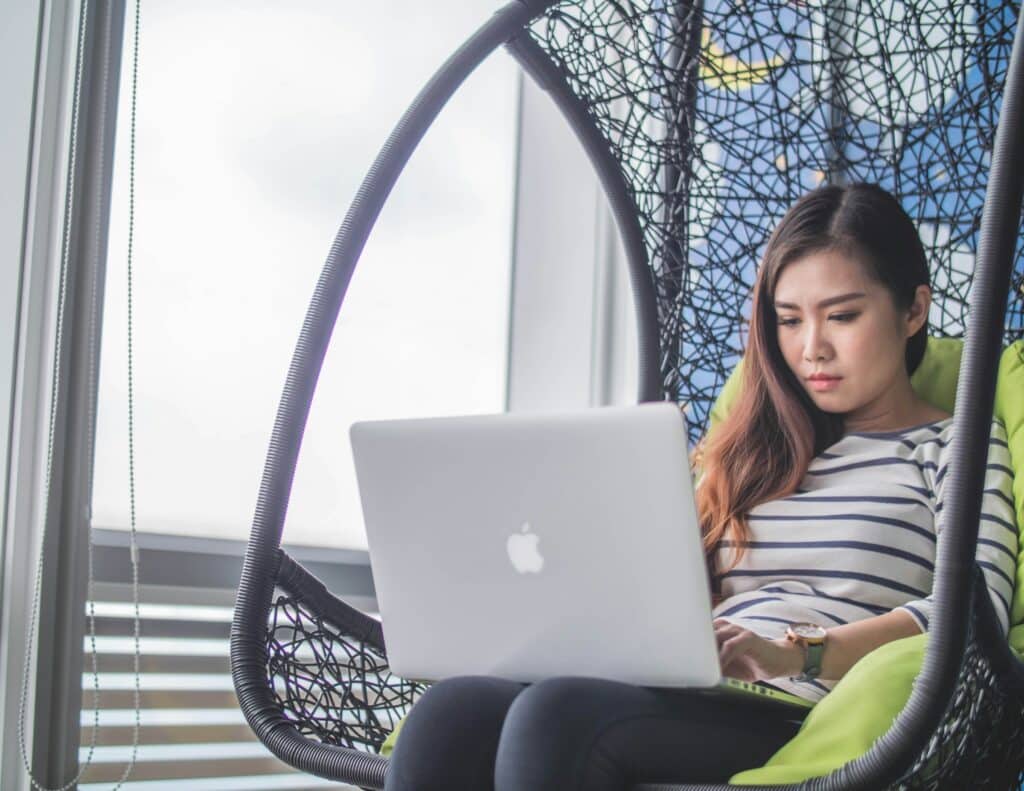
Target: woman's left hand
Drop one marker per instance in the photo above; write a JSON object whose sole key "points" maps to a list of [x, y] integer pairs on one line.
{"points": [[750, 657]]}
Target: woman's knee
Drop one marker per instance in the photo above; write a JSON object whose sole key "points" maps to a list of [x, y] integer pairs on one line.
{"points": [[567, 705], [451, 734], [595, 734], [551, 706], [548, 734]]}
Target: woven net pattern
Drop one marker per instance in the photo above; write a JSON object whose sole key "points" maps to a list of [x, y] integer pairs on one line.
{"points": [[722, 115], [336, 688], [980, 742]]}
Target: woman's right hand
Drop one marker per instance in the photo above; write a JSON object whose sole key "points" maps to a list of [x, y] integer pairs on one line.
{"points": [[750, 657]]}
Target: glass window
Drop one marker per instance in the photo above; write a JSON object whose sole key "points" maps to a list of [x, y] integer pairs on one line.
{"points": [[256, 123]]}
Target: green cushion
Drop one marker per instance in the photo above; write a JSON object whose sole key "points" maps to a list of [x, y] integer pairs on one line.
{"points": [[846, 722], [1009, 407], [389, 743], [863, 705]]}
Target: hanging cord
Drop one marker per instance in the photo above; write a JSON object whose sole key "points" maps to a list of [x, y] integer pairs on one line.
{"points": [[55, 384]]}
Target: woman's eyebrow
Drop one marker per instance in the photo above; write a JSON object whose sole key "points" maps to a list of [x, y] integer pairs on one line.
{"points": [[825, 302]]}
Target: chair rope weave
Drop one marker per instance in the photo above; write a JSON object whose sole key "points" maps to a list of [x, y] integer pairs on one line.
{"points": [[328, 666]]}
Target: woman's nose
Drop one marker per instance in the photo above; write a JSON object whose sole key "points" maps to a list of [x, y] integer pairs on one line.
{"points": [[815, 344]]}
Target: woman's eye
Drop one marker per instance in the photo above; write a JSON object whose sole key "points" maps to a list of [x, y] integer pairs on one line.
{"points": [[841, 317]]}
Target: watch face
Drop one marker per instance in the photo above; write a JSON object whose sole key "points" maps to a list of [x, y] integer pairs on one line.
{"points": [[811, 631]]}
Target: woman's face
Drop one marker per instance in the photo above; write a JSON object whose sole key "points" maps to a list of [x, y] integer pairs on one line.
{"points": [[835, 320]]}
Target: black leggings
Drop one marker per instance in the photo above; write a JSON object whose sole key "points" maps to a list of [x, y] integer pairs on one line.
{"points": [[573, 733]]}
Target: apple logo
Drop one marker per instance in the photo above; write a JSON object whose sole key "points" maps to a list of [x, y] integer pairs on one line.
{"points": [[523, 552]]}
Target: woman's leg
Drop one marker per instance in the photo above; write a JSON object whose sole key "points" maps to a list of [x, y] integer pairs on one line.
{"points": [[450, 736], [575, 733]]}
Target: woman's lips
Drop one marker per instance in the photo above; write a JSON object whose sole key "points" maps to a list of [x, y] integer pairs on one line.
{"points": [[822, 385]]}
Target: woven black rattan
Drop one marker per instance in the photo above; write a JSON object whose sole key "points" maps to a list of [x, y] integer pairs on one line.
{"points": [[704, 121]]}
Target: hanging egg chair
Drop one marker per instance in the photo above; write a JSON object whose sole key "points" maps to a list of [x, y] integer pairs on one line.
{"points": [[704, 122]]}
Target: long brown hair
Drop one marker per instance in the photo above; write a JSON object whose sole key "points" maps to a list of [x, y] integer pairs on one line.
{"points": [[761, 450]]}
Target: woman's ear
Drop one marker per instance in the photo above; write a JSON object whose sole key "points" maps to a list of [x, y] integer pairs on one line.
{"points": [[917, 314]]}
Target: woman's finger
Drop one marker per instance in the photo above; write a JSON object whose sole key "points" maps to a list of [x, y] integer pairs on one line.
{"points": [[731, 648], [722, 633]]}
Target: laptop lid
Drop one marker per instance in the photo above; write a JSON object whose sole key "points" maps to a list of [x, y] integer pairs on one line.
{"points": [[529, 545]]}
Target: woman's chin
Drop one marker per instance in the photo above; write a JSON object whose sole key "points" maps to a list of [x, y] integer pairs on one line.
{"points": [[830, 402]]}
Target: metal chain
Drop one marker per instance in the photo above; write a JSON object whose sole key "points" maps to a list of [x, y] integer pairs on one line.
{"points": [[133, 548]]}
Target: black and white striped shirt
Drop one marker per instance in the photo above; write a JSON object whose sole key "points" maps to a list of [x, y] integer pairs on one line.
{"points": [[859, 536]]}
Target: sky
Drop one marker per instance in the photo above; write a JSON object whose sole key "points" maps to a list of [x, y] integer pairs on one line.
{"points": [[256, 124]]}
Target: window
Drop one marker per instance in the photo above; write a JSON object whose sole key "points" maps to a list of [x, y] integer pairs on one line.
{"points": [[256, 123]]}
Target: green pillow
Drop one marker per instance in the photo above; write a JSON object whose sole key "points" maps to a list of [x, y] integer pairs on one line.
{"points": [[845, 723], [389, 743], [863, 705], [859, 710], [1009, 407]]}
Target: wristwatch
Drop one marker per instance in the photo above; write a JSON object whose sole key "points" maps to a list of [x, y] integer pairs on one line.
{"points": [[811, 638]]}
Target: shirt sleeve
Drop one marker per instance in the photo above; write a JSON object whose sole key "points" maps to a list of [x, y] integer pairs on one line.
{"points": [[997, 530]]}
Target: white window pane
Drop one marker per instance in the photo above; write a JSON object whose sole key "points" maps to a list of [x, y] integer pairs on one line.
{"points": [[256, 124]]}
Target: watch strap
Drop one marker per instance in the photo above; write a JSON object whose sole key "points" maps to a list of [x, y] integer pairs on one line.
{"points": [[812, 661]]}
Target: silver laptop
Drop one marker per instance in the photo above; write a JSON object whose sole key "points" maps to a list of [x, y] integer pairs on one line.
{"points": [[531, 545]]}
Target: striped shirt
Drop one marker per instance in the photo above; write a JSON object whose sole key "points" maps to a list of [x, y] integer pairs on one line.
{"points": [[858, 538]]}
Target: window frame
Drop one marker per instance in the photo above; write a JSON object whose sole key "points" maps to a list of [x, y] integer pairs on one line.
{"points": [[55, 677]]}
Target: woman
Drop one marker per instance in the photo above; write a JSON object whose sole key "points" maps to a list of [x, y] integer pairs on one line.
{"points": [[819, 501]]}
